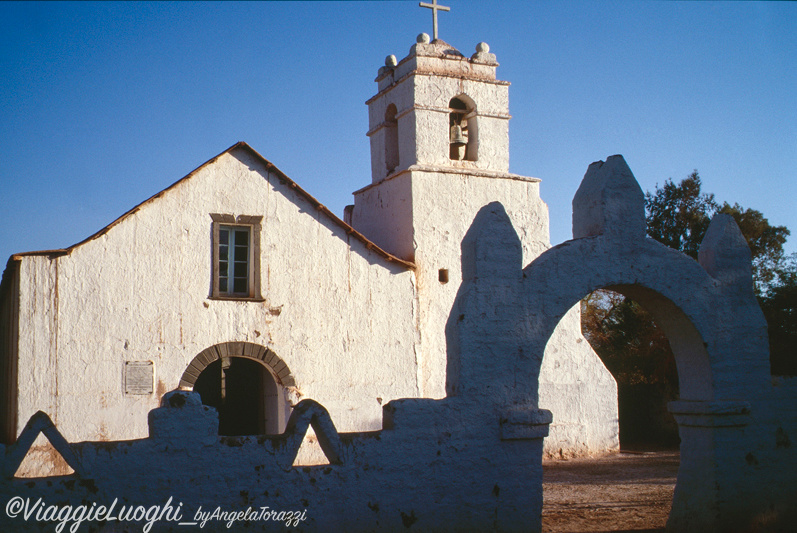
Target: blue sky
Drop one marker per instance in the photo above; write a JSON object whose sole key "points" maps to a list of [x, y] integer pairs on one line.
{"points": [[104, 104]]}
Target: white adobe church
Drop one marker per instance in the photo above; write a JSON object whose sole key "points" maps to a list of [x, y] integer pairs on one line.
{"points": [[236, 283]]}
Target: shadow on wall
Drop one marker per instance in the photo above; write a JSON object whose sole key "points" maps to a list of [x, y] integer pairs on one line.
{"points": [[473, 460]]}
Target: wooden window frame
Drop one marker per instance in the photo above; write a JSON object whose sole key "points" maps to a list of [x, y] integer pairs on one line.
{"points": [[254, 226]]}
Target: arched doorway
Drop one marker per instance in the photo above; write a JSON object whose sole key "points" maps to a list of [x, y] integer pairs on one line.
{"points": [[246, 383], [637, 353], [620, 490], [244, 393], [696, 304]]}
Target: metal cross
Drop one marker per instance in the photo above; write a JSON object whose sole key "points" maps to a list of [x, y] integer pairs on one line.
{"points": [[434, 7]]}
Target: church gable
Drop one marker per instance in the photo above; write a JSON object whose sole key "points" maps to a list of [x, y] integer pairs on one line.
{"points": [[235, 228], [233, 252], [239, 187]]}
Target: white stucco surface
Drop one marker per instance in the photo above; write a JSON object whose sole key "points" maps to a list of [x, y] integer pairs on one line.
{"points": [[473, 460], [333, 315], [141, 292]]}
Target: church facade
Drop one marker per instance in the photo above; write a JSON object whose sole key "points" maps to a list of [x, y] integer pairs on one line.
{"points": [[236, 283]]}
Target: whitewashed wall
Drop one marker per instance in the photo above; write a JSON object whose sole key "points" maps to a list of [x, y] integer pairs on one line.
{"points": [[354, 329], [341, 317]]}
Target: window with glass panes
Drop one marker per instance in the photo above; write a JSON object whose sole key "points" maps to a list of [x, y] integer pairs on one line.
{"points": [[234, 245]]}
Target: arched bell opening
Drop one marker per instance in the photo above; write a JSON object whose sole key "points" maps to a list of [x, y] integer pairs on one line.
{"points": [[462, 129], [391, 139]]}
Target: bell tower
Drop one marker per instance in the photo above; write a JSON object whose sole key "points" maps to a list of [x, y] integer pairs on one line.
{"points": [[436, 115], [439, 133], [438, 108]]}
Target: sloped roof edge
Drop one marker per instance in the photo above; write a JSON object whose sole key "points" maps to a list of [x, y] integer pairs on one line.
{"points": [[271, 168]]}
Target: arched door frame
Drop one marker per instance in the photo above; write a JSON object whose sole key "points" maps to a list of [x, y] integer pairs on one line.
{"points": [[257, 352], [672, 287], [261, 354]]}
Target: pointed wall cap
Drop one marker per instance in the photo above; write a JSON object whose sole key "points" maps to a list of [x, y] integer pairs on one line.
{"points": [[609, 201], [724, 253]]}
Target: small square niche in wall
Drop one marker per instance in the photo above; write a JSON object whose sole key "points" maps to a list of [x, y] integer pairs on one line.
{"points": [[442, 275], [139, 377]]}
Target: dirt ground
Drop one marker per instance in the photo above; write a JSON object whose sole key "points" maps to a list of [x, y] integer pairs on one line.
{"points": [[629, 491]]}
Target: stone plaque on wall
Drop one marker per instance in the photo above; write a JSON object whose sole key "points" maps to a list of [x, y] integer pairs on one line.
{"points": [[139, 377]]}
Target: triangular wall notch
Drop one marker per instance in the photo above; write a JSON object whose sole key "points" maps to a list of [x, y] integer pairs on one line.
{"points": [[309, 413], [39, 423]]}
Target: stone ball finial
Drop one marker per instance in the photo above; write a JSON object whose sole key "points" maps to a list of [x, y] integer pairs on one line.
{"points": [[390, 61], [483, 47], [423, 38]]}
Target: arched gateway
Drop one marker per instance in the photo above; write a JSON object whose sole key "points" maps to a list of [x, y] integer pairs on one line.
{"points": [[246, 383], [706, 308]]}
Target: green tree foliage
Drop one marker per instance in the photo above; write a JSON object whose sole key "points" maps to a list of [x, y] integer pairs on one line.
{"points": [[633, 349], [779, 304], [679, 215]]}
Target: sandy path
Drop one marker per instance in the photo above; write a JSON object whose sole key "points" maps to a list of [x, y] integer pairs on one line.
{"points": [[622, 492]]}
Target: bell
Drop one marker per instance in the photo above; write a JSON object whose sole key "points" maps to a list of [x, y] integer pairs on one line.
{"points": [[457, 137]]}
